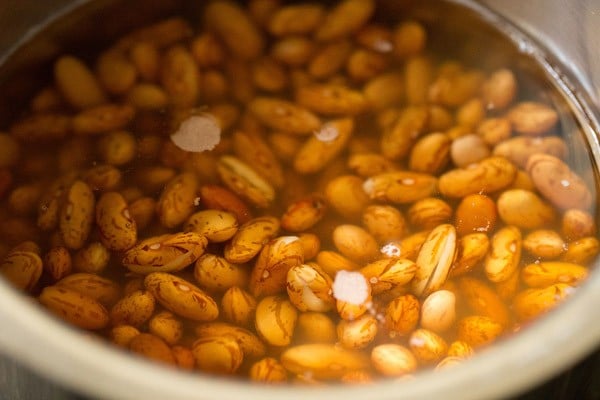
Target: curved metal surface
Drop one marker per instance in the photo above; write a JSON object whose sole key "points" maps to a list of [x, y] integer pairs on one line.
{"points": [[569, 29], [571, 43]]}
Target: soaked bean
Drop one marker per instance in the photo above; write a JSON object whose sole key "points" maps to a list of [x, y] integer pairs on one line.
{"points": [[362, 206]]}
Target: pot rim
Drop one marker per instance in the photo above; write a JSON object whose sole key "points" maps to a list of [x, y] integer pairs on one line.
{"points": [[551, 344], [61, 353]]}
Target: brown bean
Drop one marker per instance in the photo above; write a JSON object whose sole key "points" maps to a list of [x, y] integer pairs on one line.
{"points": [[176, 202], [58, 263], [74, 307], [385, 223], [134, 309], [531, 303], [152, 347], [295, 19], [217, 197], [93, 258], [548, 273], [255, 151], [482, 300], [386, 273], [321, 148], [544, 244], [276, 258], [309, 288], [117, 148], [332, 99], [118, 230], [523, 208], [435, 258], [304, 213], [519, 149], [102, 119], [77, 83], [207, 50], [346, 196], [250, 344], [402, 314], [429, 212], [577, 224], [477, 330], [22, 269], [268, 370], [391, 359], [427, 346], [323, 361], [500, 89], [103, 290], [116, 73], [238, 306], [181, 297], [487, 176], [531, 118], [214, 273], [346, 17], [235, 28], [409, 39], [179, 77], [400, 186], [355, 243], [475, 213], [582, 251], [430, 154], [165, 253], [329, 59], [275, 320], [250, 239], [315, 327], [77, 215]]}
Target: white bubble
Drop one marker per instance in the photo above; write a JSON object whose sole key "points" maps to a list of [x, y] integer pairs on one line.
{"points": [[351, 287], [198, 133], [327, 133]]}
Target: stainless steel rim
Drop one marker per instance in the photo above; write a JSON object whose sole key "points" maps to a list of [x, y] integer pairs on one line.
{"points": [[552, 344]]}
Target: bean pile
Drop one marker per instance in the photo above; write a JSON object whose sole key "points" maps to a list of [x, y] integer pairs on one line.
{"points": [[291, 193]]}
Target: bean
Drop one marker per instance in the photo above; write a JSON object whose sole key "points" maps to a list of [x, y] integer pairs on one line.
{"points": [[346, 17], [530, 118], [77, 83], [357, 334], [74, 307], [324, 361], [238, 306], [427, 346], [393, 360], [499, 90], [402, 314], [249, 343], [366, 209], [231, 23], [438, 311], [315, 327], [409, 39], [268, 370], [275, 320], [152, 347], [181, 297], [355, 243]]}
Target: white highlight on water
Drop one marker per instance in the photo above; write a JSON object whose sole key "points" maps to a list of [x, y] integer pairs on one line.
{"points": [[351, 287], [198, 133]]}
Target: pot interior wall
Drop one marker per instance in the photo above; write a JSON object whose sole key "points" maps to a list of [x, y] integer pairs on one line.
{"points": [[454, 30], [92, 25]]}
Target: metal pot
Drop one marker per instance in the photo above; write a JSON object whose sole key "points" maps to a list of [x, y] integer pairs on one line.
{"points": [[38, 343]]}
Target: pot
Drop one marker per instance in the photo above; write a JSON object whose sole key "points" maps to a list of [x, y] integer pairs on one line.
{"points": [[85, 365]]}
